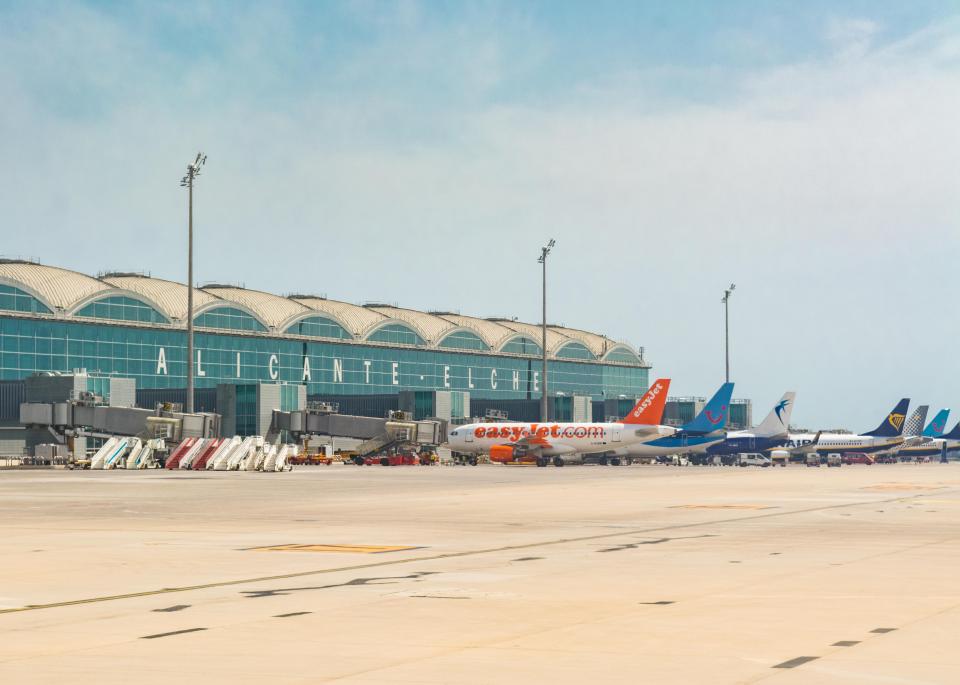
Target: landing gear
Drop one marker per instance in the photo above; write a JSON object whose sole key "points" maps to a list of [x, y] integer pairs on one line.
{"points": [[615, 461], [542, 461], [558, 461], [603, 461]]}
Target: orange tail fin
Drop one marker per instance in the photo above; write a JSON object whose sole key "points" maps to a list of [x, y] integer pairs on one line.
{"points": [[649, 410]]}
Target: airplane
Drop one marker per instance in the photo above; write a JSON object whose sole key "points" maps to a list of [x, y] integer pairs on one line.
{"points": [[771, 433], [706, 429], [912, 430], [934, 445], [565, 443], [888, 434], [938, 425]]}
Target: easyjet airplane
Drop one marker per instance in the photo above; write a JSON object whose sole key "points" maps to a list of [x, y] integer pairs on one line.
{"points": [[565, 443]]}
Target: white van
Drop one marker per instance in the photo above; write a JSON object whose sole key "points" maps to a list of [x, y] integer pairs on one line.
{"points": [[754, 460]]}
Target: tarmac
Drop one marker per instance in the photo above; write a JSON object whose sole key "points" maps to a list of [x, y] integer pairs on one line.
{"points": [[489, 574]]}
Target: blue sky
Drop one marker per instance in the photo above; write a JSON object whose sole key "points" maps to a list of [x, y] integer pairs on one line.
{"points": [[423, 151]]}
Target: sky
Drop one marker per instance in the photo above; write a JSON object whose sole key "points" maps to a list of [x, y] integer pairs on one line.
{"points": [[420, 153]]}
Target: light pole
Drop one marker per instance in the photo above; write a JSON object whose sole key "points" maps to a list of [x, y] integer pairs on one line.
{"points": [[193, 170], [726, 325], [544, 251]]}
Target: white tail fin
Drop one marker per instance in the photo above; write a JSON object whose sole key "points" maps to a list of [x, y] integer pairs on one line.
{"points": [[778, 419]]}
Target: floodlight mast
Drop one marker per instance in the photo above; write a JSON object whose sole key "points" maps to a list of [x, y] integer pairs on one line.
{"points": [[726, 324], [193, 170], [544, 251]]}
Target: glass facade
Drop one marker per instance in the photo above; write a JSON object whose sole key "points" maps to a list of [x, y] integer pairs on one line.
{"points": [[621, 355], [396, 333], [15, 300], [521, 345], [156, 358], [319, 327], [228, 318], [122, 309], [574, 350], [463, 340]]}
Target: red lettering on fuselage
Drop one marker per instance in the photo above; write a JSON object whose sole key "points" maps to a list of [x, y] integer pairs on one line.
{"points": [[517, 432]]}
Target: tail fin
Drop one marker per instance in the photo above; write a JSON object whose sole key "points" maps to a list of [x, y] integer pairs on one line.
{"points": [[954, 433], [892, 426], [715, 414], [938, 425], [778, 419], [649, 409], [914, 425]]}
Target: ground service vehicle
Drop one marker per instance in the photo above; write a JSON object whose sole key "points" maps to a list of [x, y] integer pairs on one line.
{"points": [[754, 460], [813, 459], [834, 459]]}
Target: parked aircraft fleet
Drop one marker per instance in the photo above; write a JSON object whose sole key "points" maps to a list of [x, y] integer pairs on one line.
{"points": [[641, 434]]}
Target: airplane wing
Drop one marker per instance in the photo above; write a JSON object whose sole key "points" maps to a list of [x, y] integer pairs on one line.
{"points": [[808, 447]]}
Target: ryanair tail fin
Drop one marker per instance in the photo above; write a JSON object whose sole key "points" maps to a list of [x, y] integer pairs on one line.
{"points": [[715, 415], [938, 425], [778, 419], [892, 425], [649, 409], [914, 425]]}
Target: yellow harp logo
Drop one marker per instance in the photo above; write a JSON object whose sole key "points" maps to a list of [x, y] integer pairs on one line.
{"points": [[896, 420]]}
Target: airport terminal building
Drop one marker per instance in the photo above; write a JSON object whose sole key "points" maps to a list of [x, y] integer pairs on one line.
{"points": [[133, 326]]}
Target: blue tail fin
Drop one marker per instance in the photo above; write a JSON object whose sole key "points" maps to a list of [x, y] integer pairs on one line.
{"points": [[715, 414], [938, 425], [954, 433], [892, 425]]}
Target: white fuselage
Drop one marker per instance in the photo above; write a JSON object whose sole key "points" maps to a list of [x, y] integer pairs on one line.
{"points": [[840, 442], [554, 439]]}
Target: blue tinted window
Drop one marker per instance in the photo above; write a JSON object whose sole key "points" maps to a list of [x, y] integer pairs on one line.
{"points": [[463, 340], [396, 333], [521, 345], [14, 299], [122, 309], [621, 354], [319, 327], [574, 350], [228, 318]]}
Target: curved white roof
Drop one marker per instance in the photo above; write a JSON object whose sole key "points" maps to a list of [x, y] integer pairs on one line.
{"points": [[272, 310], [356, 319], [490, 332], [597, 344], [65, 290], [57, 288], [169, 296], [555, 340], [431, 328]]}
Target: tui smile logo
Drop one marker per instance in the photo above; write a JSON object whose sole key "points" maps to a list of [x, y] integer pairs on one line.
{"points": [[780, 407], [896, 420], [719, 416]]}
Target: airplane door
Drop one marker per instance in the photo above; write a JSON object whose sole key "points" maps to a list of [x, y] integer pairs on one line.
{"points": [[614, 436], [468, 437]]}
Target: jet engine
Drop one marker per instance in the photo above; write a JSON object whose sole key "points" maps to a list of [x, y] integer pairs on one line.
{"points": [[504, 454]]}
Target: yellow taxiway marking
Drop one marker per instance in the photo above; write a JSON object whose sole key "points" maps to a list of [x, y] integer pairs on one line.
{"points": [[394, 561], [354, 549], [721, 506], [894, 487]]}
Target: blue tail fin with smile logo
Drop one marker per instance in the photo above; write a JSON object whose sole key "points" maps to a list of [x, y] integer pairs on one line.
{"points": [[892, 425], [938, 425], [715, 414]]}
